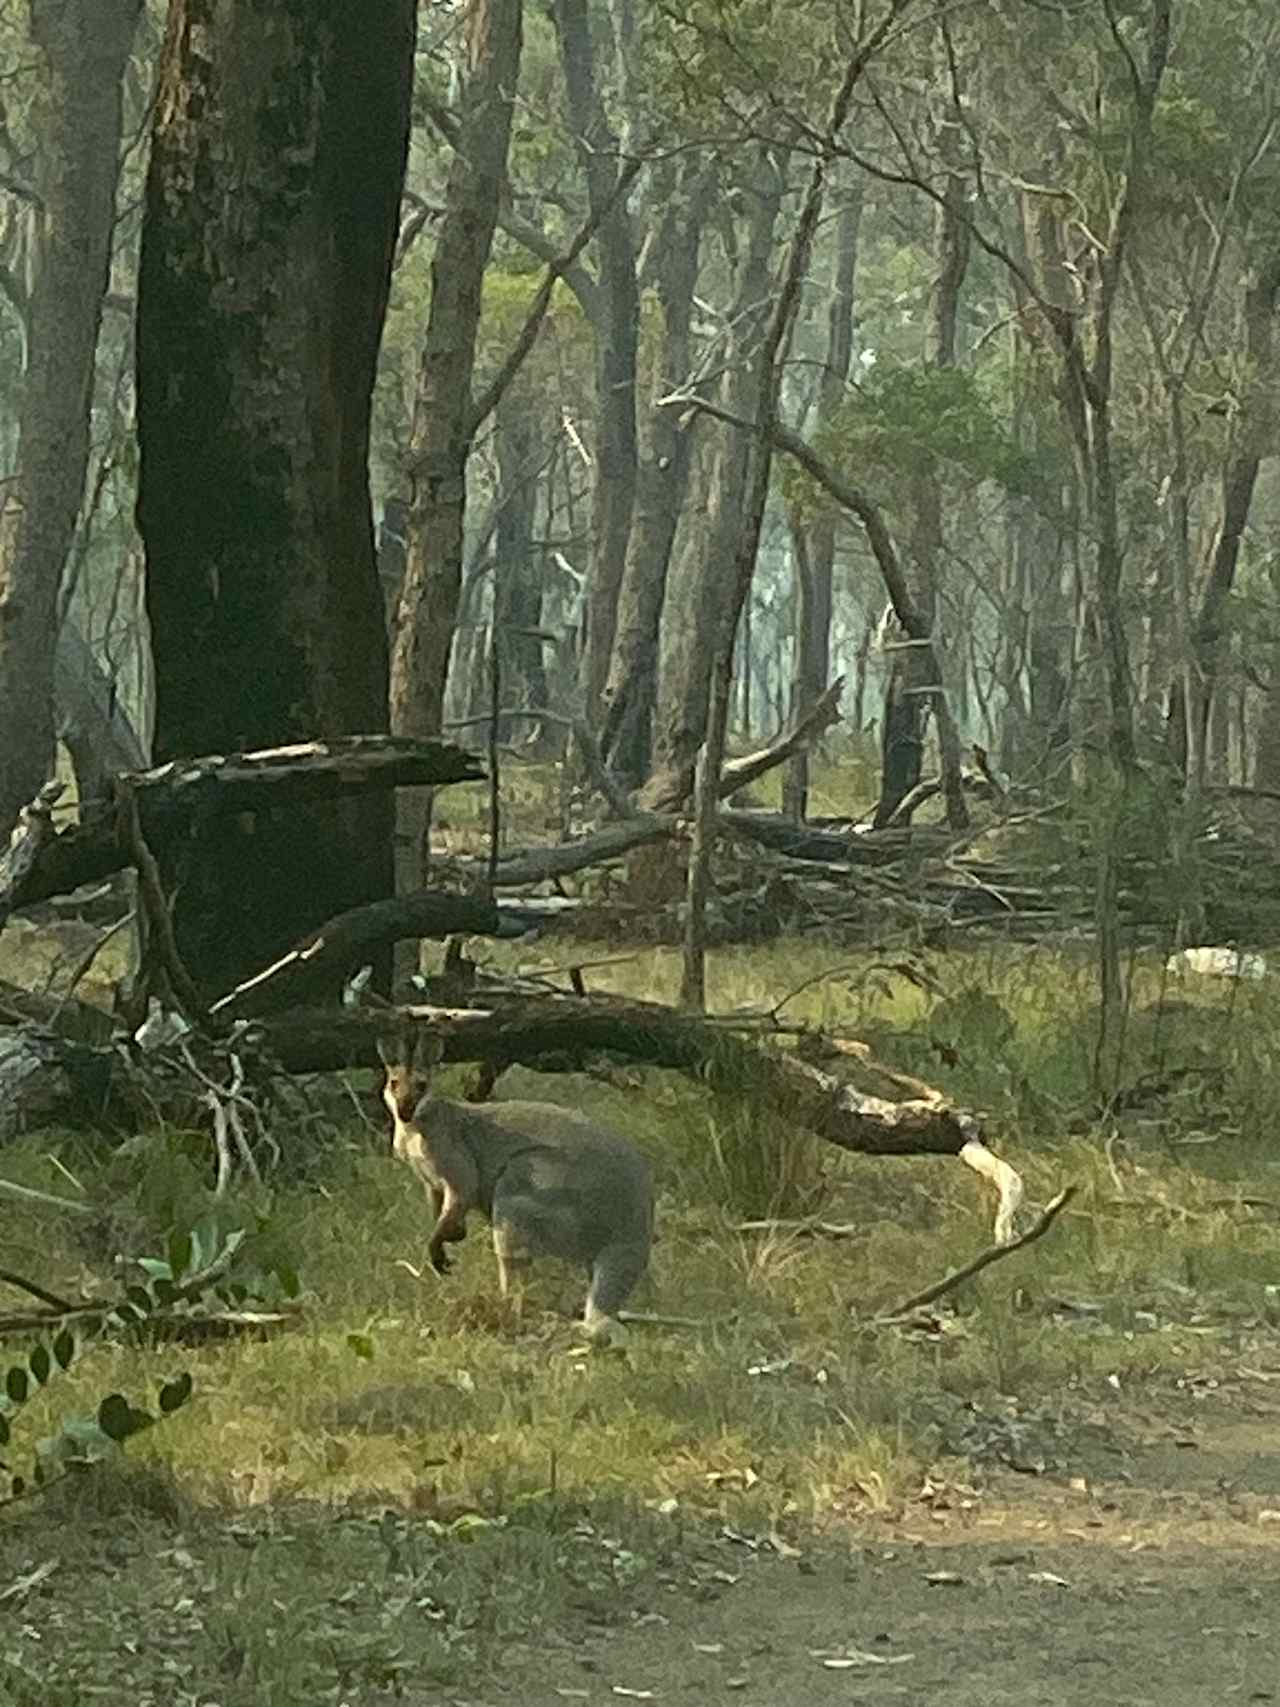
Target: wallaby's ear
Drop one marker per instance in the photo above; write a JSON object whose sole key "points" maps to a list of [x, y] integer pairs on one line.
{"points": [[430, 1050], [393, 1046]]}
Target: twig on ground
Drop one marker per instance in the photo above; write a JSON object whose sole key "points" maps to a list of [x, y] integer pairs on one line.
{"points": [[646, 1319], [50, 1298], [803, 1229], [28, 1194], [984, 1259]]}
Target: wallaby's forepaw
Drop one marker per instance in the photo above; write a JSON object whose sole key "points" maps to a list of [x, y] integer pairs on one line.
{"points": [[606, 1333], [438, 1257]]}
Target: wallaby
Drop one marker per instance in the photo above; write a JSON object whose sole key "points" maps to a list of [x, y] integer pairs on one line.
{"points": [[550, 1182]]}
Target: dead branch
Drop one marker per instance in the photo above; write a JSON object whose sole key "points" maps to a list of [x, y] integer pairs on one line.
{"points": [[540, 865], [29, 1194], [563, 1033], [984, 1259], [154, 905], [8, 1278], [805, 1229], [667, 791], [315, 969], [807, 728]]}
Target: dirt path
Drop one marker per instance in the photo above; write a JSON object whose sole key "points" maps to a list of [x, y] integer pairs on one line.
{"points": [[1153, 1576]]}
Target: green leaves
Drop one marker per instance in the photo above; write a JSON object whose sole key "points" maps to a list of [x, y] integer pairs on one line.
{"points": [[200, 1263]]}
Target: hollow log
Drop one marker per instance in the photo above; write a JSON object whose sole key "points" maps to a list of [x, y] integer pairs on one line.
{"points": [[172, 798]]}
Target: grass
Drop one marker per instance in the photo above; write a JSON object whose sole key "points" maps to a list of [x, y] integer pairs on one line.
{"points": [[401, 1492]]}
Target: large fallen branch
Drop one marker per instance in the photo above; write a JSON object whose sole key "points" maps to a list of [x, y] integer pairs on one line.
{"points": [[41, 861], [563, 1033], [315, 970]]}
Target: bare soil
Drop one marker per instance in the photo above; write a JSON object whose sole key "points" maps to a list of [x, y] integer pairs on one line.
{"points": [[1147, 1576], [1133, 1559]]}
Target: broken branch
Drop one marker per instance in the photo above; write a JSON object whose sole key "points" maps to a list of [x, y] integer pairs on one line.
{"points": [[984, 1259]]}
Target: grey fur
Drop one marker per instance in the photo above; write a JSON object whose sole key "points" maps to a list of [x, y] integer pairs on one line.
{"points": [[549, 1180]]}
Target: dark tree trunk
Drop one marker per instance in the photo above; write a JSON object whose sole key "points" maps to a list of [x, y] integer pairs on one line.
{"points": [[83, 47], [271, 208], [914, 672], [1255, 437], [904, 722], [666, 453], [517, 586], [616, 328]]}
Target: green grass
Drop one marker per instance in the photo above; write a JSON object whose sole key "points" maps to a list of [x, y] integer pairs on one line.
{"points": [[324, 1520]]}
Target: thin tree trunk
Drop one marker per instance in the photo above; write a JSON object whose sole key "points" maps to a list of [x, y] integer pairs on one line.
{"points": [[444, 414], [768, 371], [83, 47], [666, 453], [1190, 700], [815, 562], [518, 567], [616, 330], [701, 587], [271, 210], [908, 691]]}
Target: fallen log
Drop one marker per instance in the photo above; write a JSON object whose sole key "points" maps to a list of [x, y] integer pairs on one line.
{"points": [[541, 865], [315, 970], [42, 861], [564, 1033]]}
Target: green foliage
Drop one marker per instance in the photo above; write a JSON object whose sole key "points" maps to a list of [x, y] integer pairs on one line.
{"points": [[911, 420], [199, 1267]]}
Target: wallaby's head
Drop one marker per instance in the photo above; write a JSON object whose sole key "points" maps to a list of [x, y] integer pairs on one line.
{"points": [[408, 1052]]}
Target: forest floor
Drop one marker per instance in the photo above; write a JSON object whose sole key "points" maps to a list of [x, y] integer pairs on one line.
{"points": [[1062, 1487]]}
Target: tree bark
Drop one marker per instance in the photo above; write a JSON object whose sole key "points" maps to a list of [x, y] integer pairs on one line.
{"points": [[666, 453], [517, 570], [269, 226], [816, 551], [1254, 438], [444, 414], [702, 586], [616, 330], [909, 689], [83, 47]]}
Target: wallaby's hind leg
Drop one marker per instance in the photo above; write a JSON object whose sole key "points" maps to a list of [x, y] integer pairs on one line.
{"points": [[513, 1265], [614, 1275]]}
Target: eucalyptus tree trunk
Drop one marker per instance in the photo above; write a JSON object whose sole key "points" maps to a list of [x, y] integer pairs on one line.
{"points": [[666, 453], [445, 412], [270, 220], [702, 584], [815, 558], [1252, 436], [517, 568], [82, 48], [616, 330], [908, 689]]}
